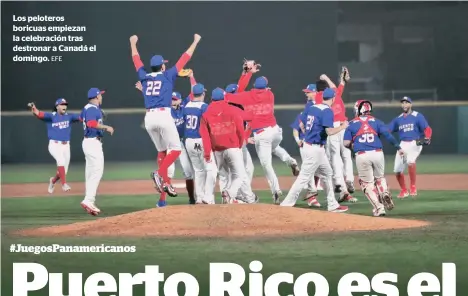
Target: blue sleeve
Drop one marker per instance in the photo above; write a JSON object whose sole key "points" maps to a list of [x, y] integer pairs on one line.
{"points": [[93, 114], [327, 118], [47, 116], [347, 135], [171, 74], [384, 131], [203, 108], [295, 124], [185, 101], [303, 117], [393, 126], [422, 122], [75, 117], [141, 74]]}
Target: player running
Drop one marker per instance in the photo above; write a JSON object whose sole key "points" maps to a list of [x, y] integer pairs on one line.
{"points": [[317, 125], [58, 131], [363, 137], [157, 91], [411, 126], [94, 128], [205, 171], [222, 129]]}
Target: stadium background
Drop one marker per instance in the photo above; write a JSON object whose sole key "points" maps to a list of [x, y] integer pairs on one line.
{"points": [[391, 49]]}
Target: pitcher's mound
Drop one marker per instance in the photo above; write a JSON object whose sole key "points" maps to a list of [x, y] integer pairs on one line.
{"points": [[223, 221]]}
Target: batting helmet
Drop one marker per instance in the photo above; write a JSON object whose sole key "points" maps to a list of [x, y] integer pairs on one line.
{"points": [[361, 107]]}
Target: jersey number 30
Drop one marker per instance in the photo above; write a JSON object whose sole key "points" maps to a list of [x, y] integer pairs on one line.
{"points": [[191, 122], [366, 138], [153, 87]]}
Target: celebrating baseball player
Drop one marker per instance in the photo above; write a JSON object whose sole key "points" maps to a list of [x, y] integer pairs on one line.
{"points": [[363, 135], [411, 127], [317, 125], [58, 131], [157, 92], [205, 171], [94, 128], [222, 129]]}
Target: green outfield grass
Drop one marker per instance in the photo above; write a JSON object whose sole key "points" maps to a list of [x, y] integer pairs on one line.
{"points": [[427, 164], [404, 252]]}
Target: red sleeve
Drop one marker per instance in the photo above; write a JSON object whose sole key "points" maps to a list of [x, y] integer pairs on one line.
{"points": [[244, 81], [205, 135], [183, 60], [239, 129], [192, 83], [137, 62], [319, 98], [40, 115], [92, 123], [339, 91], [248, 132], [428, 132], [240, 98]]}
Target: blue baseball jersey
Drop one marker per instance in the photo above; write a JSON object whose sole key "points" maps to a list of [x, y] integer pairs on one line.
{"points": [[178, 115], [59, 126], [295, 126], [89, 113], [157, 87], [410, 127], [193, 112], [316, 118], [364, 132]]}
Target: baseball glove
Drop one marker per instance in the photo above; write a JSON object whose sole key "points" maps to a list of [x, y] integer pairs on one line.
{"points": [[184, 72], [423, 142], [344, 75], [249, 65]]}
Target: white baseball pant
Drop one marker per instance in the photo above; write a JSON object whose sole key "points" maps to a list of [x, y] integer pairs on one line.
{"points": [[412, 153], [231, 160], [266, 142], [339, 158], [185, 164], [61, 153], [282, 154], [205, 172], [161, 128], [92, 149], [311, 184], [225, 176], [371, 168], [315, 161]]}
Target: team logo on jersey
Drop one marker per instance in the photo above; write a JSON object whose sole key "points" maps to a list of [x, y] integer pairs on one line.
{"points": [[406, 127], [61, 124]]}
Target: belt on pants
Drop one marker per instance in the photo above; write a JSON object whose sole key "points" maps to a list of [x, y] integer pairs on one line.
{"points": [[314, 144], [97, 138], [61, 142], [156, 109], [260, 130], [362, 152]]}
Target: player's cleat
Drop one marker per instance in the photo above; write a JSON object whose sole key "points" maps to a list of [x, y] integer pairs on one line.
{"points": [[346, 197], [340, 209], [66, 187], [161, 204], [337, 188], [199, 202], [208, 202], [191, 202], [379, 213], [403, 193], [157, 181], [413, 191], [51, 185], [350, 186], [277, 197], [225, 197], [295, 169], [388, 201], [319, 186], [257, 199], [167, 187], [313, 202], [90, 207]]}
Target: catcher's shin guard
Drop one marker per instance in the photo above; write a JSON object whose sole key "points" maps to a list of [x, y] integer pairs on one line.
{"points": [[384, 194]]}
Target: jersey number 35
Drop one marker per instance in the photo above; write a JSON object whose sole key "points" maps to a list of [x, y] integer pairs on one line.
{"points": [[153, 87]]}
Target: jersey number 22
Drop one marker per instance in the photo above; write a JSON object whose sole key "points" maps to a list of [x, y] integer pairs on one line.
{"points": [[153, 87]]}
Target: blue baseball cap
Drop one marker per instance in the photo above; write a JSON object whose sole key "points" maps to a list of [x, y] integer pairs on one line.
{"points": [[61, 101], [157, 60], [176, 95], [261, 82], [232, 88], [328, 93], [198, 89], [217, 94], [94, 92], [407, 99], [310, 88]]}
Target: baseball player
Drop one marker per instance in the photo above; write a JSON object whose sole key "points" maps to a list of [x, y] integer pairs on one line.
{"points": [[157, 91], [58, 131], [335, 148], [205, 171], [411, 126], [222, 129], [317, 125], [363, 135], [94, 128], [177, 114]]}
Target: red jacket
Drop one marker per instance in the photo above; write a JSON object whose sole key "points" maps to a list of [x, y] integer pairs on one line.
{"points": [[260, 103], [221, 128], [338, 107]]}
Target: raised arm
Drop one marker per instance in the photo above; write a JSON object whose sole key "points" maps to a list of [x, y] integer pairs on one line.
{"points": [[192, 83], [328, 80], [249, 68], [46, 116], [183, 60], [135, 55]]}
